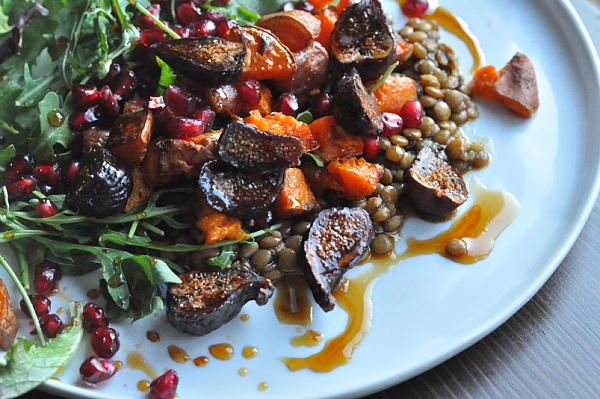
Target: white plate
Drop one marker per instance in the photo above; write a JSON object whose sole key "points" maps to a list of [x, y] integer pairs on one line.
{"points": [[427, 308]]}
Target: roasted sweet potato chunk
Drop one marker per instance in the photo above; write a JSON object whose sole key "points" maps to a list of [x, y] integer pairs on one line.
{"points": [[8, 319], [313, 66], [295, 198], [295, 28], [130, 137]]}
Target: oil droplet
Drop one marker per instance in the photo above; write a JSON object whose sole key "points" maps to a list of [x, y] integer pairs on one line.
{"points": [[221, 351], [245, 317], [93, 293], [118, 259], [60, 310], [153, 336], [201, 361], [249, 352], [299, 329], [60, 369], [309, 338], [143, 385], [119, 364], [138, 346], [178, 354], [135, 360], [263, 386], [55, 118], [153, 262], [141, 215], [116, 280], [55, 379], [243, 371], [292, 305], [9, 235]]}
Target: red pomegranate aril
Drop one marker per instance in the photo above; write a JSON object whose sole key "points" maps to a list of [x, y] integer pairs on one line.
{"points": [[71, 172], [165, 386], [250, 92], [224, 27], [145, 22], [371, 148], [392, 123], [41, 305], [188, 13], [109, 102], [412, 114], [183, 32], [45, 277], [20, 186], [181, 127], [124, 84], [51, 325], [152, 36], [322, 105], [45, 208], [94, 316], [81, 120], [207, 116], [206, 27], [287, 104], [18, 165], [179, 100], [305, 6], [49, 173], [214, 15], [96, 369], [415, 8], [84, 97], [105, 342]]}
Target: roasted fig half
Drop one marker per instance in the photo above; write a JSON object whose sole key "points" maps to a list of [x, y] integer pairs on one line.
{"points": [[210, 297], [244, 146], [209, 61], [435, 188], [336, 241], [240, 193], [102, 186], [354, 108], [363, 38]]}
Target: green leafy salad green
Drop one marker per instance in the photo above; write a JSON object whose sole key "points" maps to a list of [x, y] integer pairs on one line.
{"points": [[68, 42]]}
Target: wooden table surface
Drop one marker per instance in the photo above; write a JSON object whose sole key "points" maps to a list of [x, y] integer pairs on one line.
{"points": [[548, 349]]}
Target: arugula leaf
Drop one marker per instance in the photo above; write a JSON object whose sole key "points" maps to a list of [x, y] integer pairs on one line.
{"points": [[167, 75], [28, 365], [4, 26], [305, 117], [247, 11], [226, 258], [317, 159], [44, 146]]}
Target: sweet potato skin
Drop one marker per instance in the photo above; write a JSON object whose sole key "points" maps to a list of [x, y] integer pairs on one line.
{"points": [[313, 65], [8, 319], [296, 197]]}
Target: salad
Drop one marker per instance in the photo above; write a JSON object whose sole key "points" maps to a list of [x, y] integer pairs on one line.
{"points": [[199, 152]]}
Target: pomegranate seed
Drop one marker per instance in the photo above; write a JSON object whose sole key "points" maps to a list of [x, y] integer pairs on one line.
{"points": [[392, 123], [45, 208], [94, 317], [287, 104], [109, 101], [81, 120], [179, 100], [18, 165], [96, 369], [322, 105], [51, 325], [188, 13], [105, 342], [144, 22], [41, 305], [289, 6], [206, 27], [412, 114], [20, 186], [305, 6], [214, 15], [181, 127], [250, 92], [165, 386], [124, 84], [207, 116], [371, 149], [48, 173], [71, 172], [415, 8], [224, 27], [152, 36], [183, 32], [84, 97], [45, 277]]}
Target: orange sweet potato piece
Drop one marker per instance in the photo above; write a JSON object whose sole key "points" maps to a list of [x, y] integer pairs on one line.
{"points": [[8, 319], [394, 92], [319, 4], [141, 190], [357, 178], [217, 226], [344, 3], [403, 50], [279, 123], [328, 16], [294, 28], [334, 141], [295, 198], [266, 57]]}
